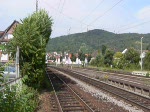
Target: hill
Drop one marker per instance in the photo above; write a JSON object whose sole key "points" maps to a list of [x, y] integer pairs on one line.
{"points": [[94, 39]]}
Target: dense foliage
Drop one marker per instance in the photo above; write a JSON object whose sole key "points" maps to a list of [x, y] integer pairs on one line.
{"points": [[24, 99], [108, 57], [98, 39], [147, 61], [32, 36], [129, 60]]}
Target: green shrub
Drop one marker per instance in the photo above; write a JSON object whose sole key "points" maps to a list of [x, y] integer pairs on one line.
{"points": [[148, 75], [24, 100]]}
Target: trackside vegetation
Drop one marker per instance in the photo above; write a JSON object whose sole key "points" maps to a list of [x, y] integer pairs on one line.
{"points": [[121, 61], [31, 36]]}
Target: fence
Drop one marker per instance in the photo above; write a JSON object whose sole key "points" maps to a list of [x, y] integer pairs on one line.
{"points": [[10, 84]]}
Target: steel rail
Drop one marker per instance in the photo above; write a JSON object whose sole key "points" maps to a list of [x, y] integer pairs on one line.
{"points": [[84, 104], [96, 83], [59, 106], [89, 108]]}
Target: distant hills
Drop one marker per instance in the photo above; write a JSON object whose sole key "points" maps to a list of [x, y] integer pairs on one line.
{"points": [[94, 39]]}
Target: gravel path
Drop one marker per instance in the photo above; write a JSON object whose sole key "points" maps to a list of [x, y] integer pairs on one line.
{"points": [[44, 105]]}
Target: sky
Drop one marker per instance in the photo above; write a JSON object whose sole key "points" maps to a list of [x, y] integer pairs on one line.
{"points": [[76, 16]]}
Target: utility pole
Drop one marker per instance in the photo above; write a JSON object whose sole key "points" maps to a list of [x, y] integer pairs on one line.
{"points": [[87, 28], [17, 62], [141, 55], [36, 5], [69, 31]]}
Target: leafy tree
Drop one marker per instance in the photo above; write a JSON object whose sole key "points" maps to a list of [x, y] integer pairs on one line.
{"points": [[148, 47], [130, 59], [116, 58], [118, 55], [103, 49], [85, 49], [32, 36], [73, 57], [132, 56], [99, 60], [81, 56], [108, 57], [147, 61]]}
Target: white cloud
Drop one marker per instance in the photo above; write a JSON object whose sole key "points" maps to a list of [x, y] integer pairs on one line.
{"points": [[144, 13]]}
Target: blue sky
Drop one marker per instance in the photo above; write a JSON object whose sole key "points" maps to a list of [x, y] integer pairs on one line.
{"points": [[74, 16]]}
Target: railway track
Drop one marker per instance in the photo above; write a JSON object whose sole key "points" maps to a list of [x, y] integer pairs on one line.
{"points": [[137, 84], [137, 79], [132, 98], [65, 99]]}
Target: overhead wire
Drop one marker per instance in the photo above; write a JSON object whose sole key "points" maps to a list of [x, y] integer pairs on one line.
{"points": [[92, 10], [105, 12], [61, 10], [81, 21], [67, 16], [137, 25]]}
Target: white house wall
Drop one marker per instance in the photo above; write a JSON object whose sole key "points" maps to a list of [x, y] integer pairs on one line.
{"points": [[4, 58]]}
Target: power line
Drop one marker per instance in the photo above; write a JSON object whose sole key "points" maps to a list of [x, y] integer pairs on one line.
{"points": [[63, 6], [93, 10], [81, 21], [105, 12], [69, 17], [61, 10], [58, 16], [135, 25]]}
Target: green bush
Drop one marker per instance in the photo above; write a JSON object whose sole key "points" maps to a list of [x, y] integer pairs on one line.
{"points": [[16, 100], [148, 75]]}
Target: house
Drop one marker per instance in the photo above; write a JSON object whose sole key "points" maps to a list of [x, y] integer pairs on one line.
{"points": [[5, 37]]}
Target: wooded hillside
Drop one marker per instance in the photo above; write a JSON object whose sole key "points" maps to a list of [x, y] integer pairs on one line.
{"points": [[94, 39]]}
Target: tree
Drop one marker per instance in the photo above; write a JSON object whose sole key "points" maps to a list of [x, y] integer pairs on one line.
{"points": [[103, 49], [116, 59], [73, 57], [147, 61], [130, 59], [32, 36], [99, 61], [148, 47], [108, 57], [81, 56], [132, 56], [118, 55]]}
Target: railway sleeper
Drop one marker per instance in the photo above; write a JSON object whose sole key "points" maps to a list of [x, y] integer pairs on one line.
{"points": [[54, 110], [75, 109], [74, 102]]}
